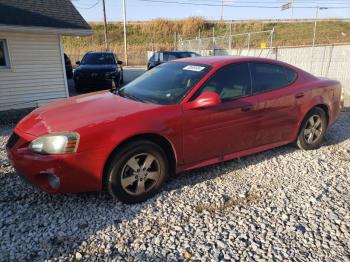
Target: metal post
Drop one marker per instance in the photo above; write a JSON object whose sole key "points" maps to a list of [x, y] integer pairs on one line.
{"points": [[276, 54], [323, 57], [105, 24], [230, 37], [248, 43], [214, 40], [125, 37], [271, 39], [199, 40]]}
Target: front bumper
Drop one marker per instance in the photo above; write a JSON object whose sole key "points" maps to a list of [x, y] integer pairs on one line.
{"points": [[98, 82], [78, 172]]}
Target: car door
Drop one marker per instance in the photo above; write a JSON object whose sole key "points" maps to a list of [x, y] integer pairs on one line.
{"points": [[273, 86], [229, 127]]}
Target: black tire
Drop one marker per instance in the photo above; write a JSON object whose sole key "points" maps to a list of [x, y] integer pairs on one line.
{"points": [[122, 77], [303, 140], [115, 172], [69, 74]]}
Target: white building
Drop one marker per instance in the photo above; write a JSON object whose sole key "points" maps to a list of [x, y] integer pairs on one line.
{"points": [[32, 69]]}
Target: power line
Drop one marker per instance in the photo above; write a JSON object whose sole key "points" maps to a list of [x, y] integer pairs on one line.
{"points": [[238, 6], [273, 2], [90, 7]]}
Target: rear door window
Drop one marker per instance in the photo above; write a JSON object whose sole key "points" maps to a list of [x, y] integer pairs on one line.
{"points": [[268, 76]]}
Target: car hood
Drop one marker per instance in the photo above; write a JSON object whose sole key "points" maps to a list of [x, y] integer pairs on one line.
{"points": [[81, 111], [96, 68]]}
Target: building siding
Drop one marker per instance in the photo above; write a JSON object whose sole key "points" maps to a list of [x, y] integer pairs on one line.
{"points": [[36, 75]]}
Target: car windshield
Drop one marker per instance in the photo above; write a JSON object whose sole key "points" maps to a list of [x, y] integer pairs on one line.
{"points": [[98, 59], [166, 84]]}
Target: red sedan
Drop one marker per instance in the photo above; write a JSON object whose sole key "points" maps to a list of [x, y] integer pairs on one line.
{"points": [[181, 115]]}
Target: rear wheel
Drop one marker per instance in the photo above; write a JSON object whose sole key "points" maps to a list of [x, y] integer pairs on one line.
{"points": [[312, 130], [136, 172]]}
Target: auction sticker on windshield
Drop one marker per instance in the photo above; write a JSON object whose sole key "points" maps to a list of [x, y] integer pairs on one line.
{"points": [[194, 68]]}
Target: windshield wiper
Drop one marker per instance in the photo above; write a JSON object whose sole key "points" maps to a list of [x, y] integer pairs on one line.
{"points": [[122, 93]]}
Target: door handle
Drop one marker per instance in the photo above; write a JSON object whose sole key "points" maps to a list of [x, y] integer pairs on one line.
{"points": [[299, 95], [246, 108]]}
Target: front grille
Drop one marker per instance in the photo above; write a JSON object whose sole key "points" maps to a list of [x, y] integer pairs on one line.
{"points": [[12, 140]]}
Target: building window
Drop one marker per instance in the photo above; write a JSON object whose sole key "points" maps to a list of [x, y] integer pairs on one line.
{"points": [[4, 54]]}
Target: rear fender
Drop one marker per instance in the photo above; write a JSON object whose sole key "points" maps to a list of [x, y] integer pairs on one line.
{"points": [[307, 107]]}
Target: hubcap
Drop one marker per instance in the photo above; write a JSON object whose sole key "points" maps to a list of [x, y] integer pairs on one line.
{"points": [[140, 174], [313, 129]]}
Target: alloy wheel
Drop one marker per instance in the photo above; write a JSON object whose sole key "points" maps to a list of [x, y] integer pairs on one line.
{"points": [[140, 174], [313, 129]]}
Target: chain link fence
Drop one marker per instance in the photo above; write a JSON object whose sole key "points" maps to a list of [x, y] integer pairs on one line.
{"points": [[263, 39]]}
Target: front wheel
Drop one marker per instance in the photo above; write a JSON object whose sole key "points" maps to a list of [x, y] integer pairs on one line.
{"points": [[312, 129], [136, 172]]}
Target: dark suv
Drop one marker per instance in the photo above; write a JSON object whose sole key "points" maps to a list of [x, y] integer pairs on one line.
{"points": [[98, 70], [161, 57]]}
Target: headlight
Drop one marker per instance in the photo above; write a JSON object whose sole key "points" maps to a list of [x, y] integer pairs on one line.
{"points": [[60, 143]]}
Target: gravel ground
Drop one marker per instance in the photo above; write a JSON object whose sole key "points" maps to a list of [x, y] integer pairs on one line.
{"points": [[283, 204]]}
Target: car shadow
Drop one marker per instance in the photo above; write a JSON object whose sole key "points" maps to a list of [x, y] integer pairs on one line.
{"points": [[47, 226]]}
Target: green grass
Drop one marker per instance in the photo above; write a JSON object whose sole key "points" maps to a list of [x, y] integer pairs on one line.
{"points": [[159, 35]]}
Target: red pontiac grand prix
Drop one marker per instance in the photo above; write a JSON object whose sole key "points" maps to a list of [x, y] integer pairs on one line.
{"points": [[181, 115]]}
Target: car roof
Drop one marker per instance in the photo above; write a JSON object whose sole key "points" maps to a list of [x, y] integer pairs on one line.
{"points": [[223, 60], [175, 52]]}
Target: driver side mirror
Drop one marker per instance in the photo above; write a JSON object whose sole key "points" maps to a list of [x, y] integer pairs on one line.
{"points": [[77, 62], [205, 100], [119, 62]]}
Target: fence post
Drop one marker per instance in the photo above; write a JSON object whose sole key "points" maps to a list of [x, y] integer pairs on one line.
{"points": [[230, 38], [271, 39], [199, 40], [248, 43], [213, 40], [312, 58], [276, 50], [324, 54]]}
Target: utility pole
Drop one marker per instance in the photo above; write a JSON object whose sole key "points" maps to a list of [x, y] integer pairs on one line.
{"points": [[315, 26], [105, 23], [125, 37], [314, 38], [222, 10]]}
